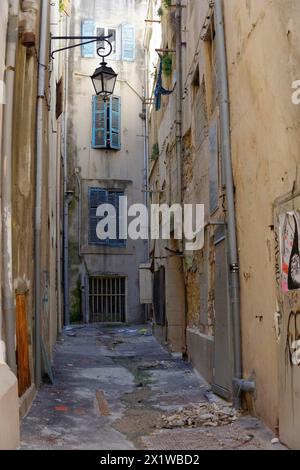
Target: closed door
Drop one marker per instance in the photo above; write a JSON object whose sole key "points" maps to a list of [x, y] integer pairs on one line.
{"points": [[222, 346]]}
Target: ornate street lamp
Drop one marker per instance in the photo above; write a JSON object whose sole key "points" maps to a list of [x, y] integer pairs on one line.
{"points": [[104, 78]]}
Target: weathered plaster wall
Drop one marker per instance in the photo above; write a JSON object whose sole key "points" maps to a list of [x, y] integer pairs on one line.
{"points": [[199, 114], [265, 144], [3, 30], [9, 413], [24, 189]]}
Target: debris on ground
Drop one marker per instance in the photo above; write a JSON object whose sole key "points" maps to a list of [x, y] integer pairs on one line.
{"points": [[145, 332], [102, 403], [275, 441], [202, 414]]}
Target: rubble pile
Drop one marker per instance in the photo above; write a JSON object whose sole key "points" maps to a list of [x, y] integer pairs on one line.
{"points": [[202, 414]]}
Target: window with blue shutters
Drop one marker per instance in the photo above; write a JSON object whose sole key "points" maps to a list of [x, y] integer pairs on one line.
{"points": [[106, 130], [99, 138], [88, 29], [115, 121], [98, 196], [128, 42], [122, 40]]}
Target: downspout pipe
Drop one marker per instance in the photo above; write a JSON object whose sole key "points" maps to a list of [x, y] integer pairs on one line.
{"points": [[67, 196], [238, 383], [40, 126], [179, 148], [7, 267], [178, 19], [67, 201], [146, 156]]}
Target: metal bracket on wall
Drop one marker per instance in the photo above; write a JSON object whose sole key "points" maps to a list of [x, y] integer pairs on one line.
{"points": [[87, 39]]}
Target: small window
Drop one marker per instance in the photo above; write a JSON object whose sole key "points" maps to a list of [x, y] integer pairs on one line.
{"points": [[101, 31], [59, 98], [211, 66], [113, 40], [97, 197], [106, 123], [122, 40]]}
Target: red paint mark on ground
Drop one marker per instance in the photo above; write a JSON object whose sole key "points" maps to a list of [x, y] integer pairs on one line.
{"points": [[63, 409]]}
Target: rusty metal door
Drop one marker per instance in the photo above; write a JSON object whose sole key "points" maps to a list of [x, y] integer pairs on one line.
{"points": [[287, 320], [222, 346]]}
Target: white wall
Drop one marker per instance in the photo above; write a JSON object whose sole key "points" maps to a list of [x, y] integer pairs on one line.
{"points": [[108, 168]]}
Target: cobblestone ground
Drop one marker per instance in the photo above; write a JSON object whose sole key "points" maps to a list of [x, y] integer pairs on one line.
{"points": [[118, 389]]}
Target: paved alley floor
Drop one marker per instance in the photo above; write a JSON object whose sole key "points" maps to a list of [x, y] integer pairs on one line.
{"points": [[118, 389]]}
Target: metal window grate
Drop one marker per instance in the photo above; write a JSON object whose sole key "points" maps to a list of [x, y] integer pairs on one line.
{"points": [[107, 298]]}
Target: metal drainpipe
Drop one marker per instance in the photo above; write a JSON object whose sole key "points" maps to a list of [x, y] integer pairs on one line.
{"points": [[66, 196], [81, 256], [7, 255], [238, 384], [146, 165], [40, 125], [66, 260], [179, 90], [178, 16]]}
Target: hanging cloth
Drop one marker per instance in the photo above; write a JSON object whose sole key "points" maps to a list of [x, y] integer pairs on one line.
{"points": [[159, 89]]}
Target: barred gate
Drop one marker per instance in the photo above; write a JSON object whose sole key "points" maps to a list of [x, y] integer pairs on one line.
{"points": [[107, 299]]}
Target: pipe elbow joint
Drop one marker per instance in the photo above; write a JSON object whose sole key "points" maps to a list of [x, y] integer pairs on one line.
{"points": [[241, 385]]}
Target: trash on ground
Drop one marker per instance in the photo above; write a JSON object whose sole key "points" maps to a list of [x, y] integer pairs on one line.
{"points": [[203, 414]]}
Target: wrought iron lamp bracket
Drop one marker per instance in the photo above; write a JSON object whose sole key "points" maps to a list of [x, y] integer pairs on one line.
{"points": [[87, 40]]}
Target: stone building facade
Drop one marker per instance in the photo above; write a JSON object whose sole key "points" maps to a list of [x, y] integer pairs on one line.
{"points": [[106, 160], [198, 299]]}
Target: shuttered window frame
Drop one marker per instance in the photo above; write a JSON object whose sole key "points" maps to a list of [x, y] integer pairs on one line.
{"points": [[88, 28], [125, 47], [106, 125], [128, 42], [96, 197]]}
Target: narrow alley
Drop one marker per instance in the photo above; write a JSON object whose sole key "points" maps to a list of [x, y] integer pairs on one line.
{"points": [[149, 226], [118, 389]]}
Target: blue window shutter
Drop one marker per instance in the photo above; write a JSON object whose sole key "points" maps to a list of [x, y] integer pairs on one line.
{"points": [[97, 196], [128, 42], [99, 137], [88, 29], [114, 200], [115, 122]]}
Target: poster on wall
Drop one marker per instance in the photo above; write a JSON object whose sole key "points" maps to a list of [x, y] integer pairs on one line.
{"points": [[290, 252]]}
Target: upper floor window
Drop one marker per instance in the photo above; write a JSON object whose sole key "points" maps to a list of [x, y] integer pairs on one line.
{"points": [[97, 197], [113, 40], [122, 40], [106, 129]]}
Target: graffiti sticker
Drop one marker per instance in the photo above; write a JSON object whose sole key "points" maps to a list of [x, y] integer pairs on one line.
{"points": [[290, 253]]}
